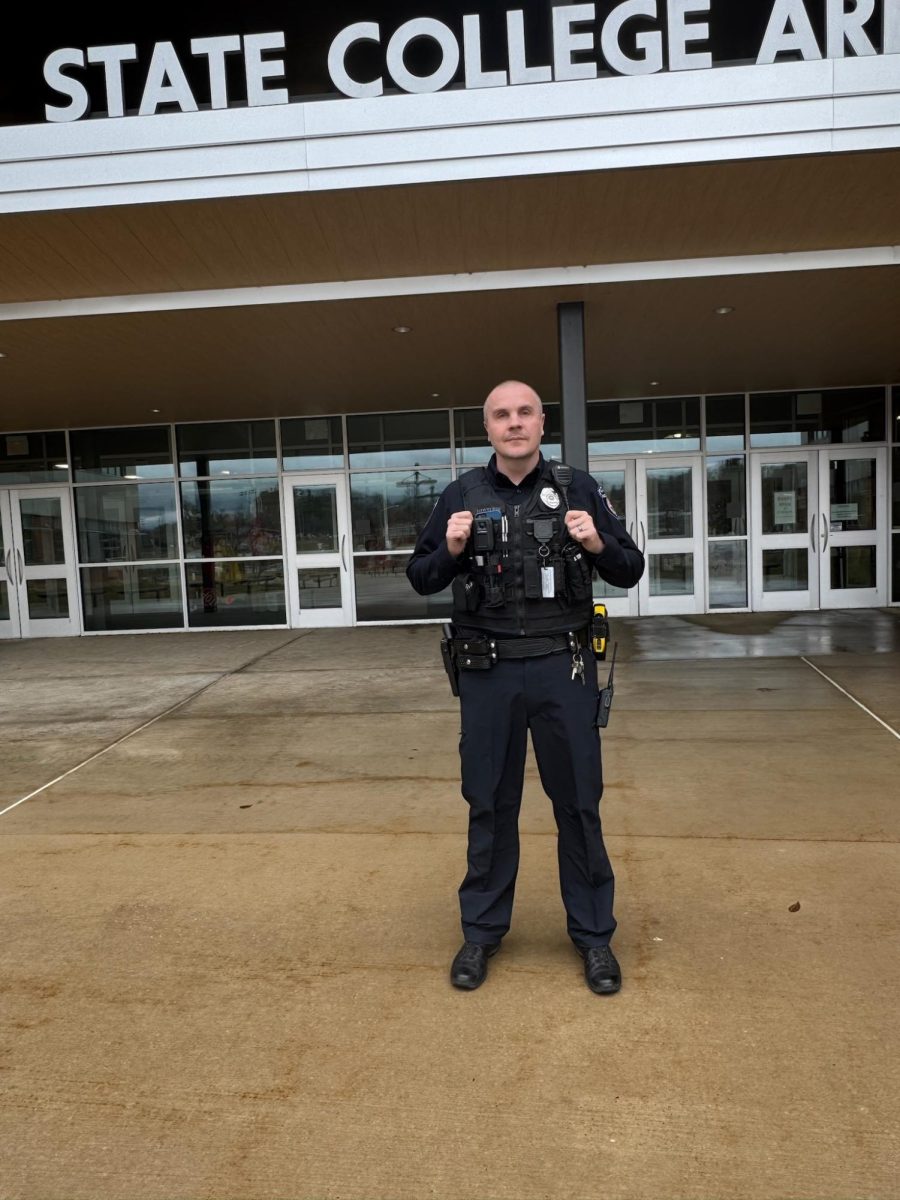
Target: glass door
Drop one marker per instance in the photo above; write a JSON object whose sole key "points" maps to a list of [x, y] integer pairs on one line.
{"points": [[852, 543], [38, 564], [670, 534], [9, 574], [318, 550], [784, 497], [617, 478]]}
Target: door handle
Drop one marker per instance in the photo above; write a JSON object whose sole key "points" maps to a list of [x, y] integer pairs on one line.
{"points": [[812, 533], [643, 538], [343, 542], [21, 562], [824, 534]]}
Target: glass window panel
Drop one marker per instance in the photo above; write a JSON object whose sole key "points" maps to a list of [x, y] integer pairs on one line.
{"points": [[228, 518], [235, 593], [853, 567], [131, 598], [33, 458], [641, 426], [817, 418], [895, 415], [391, 508], [852, 493], [4, 602], [399, 439], [226, 448], [895, 507], [728, 575], [126, 522], [319, 587], [312, 444], [670, 502], [895, 589], [726, 497], [107, 454], [724, 423], [474, 450], [784, 498], [315, 518], [383, 593], [42, 533], [48, 599], [785, 570], [671, 574]]}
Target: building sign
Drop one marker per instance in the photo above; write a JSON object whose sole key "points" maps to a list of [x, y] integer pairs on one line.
{"points": [[176, 59]]}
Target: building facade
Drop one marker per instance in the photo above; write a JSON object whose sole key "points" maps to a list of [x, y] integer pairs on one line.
{"points": [[257, 274]]}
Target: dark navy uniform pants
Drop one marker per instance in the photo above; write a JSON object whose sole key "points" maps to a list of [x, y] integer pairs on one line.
{"points": [[499, 706]]}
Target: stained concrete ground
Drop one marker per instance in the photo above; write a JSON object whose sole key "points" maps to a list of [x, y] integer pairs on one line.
{"points": [[223, 971]]}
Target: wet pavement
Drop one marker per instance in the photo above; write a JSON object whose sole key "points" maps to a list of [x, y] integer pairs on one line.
{"points": [[226, 937]]}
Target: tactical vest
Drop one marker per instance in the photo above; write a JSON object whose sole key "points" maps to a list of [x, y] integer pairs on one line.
{"points": [[524, 576]]}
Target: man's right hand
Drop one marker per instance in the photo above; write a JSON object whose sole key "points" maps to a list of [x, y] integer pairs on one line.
{"points": [[459, 530]]}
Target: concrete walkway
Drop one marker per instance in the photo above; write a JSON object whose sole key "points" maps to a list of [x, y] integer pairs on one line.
{"points": [[223, 972]]}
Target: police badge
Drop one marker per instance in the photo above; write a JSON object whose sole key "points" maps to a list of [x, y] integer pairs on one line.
{"points": [[549, 498]]}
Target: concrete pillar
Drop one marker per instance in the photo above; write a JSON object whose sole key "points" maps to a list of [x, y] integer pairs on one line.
{"points": [[572, 389]]}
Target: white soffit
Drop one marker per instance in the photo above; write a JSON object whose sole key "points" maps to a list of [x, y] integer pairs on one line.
{"points": [[624, 121], [479, 281]]}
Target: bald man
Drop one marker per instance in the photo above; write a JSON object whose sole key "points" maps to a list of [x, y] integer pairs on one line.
{"points": [[519, 542]]}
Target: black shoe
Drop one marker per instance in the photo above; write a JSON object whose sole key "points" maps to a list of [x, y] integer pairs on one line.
{"points": [[469, 968], [601, 971]]}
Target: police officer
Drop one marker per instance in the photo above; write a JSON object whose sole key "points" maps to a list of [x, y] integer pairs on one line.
{"points": [[519, 541]]}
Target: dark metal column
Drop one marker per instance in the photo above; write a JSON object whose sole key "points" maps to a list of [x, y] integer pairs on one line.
{"points": [[572, 391]]}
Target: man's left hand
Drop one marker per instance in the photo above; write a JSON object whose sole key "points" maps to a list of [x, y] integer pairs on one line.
{"points": [[581, 527]]}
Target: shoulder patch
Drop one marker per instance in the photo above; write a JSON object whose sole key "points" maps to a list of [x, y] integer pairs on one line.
{"points": [[606, 501]]}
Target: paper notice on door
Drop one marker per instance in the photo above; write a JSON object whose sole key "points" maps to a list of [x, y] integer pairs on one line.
{"points": [[845, 512], [16, 445], [785, 508]]}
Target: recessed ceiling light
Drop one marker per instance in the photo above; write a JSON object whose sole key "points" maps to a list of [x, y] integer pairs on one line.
{"points": [[2, 355], [724, 309], [132, 476], [402, 329], [677, 435], [60, 466], [154, 410], [435, 395], [654, 383]]}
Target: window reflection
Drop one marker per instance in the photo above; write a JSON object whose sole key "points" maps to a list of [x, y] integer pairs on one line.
{"points": [[852, 493], [226, 448], [312, 444], [142, 452], [640, 426], [817, 418], [390, 508], [784, 497], [399, 439], [724, 423], [728, 574], [383, 592], [131, 598], [726, 496], [231, 518], [670, 502], [33, 458], [42, 531], [126, 522], [235, 593]]}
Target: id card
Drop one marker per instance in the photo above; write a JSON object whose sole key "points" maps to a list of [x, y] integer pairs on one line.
{"points": [[548, 584]]}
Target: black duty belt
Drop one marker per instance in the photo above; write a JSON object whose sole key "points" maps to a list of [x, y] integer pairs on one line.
{"points": [[480, 653]]}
